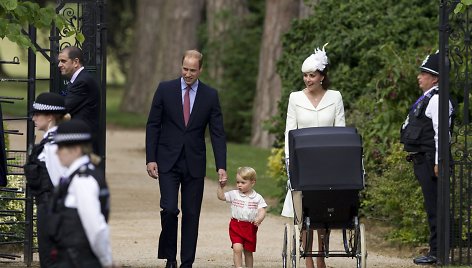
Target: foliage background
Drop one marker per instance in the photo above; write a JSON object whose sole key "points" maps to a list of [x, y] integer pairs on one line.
{"points": [[240, 59], [375, 48]]}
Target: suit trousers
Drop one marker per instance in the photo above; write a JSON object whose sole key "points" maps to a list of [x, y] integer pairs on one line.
{"points": [[191, 198], [423, 165]]}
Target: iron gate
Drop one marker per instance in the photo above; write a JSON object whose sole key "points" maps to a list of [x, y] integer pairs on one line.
{"points": [[88, 18], [455, 180]]}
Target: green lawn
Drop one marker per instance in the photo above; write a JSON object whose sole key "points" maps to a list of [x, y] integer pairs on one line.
{"points": [[245, 155], [16, 89], [118, 118]]}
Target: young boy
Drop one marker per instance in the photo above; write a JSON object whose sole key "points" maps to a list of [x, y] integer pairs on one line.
{"points": [[247, 212], [80, 204]]}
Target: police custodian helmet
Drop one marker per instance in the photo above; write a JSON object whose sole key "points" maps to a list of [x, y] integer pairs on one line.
{"points": [[73, 132], [431, 64], [49, 103]]}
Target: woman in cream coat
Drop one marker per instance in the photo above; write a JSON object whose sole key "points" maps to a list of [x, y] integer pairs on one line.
{"points": [[314, 106]]}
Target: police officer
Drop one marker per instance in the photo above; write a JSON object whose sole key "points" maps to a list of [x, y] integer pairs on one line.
{"points": [[419, 135], [43, 169], [80, 204]]}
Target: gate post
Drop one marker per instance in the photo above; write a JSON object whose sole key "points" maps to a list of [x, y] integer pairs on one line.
{"points": [[443, 214], [28, 246]]}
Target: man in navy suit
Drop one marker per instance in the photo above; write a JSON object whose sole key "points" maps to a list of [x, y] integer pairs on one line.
{"points": [[82, 95], [176, 154]]}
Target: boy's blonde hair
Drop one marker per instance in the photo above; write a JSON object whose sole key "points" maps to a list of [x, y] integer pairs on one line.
{"points": [[247, 173]]}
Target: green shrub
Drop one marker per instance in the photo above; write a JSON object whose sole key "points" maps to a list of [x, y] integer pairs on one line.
{"points": [[394, 196], [15, 182], [18, 228]]}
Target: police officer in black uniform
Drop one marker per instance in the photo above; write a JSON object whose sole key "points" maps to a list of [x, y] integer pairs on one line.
{"points": [[43, 169], [419, 135], [80, 204]]}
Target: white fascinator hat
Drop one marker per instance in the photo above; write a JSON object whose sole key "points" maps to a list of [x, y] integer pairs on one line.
{"points": [[316, 61]]}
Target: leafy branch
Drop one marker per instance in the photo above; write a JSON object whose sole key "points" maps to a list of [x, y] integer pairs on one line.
{"points": [[15, 15], [462, 6]]}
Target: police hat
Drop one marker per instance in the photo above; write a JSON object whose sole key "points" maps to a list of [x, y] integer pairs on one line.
{"points": [[431, 64], [49, 103], [72, 132]]}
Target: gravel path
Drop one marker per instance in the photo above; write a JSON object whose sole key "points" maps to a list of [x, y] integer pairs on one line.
{"points": [[135, 223]]}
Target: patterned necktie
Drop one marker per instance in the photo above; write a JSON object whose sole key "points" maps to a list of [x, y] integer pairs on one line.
{"points": [[187, 105], [65, 91]]}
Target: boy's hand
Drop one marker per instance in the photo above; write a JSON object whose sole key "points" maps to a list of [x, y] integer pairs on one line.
{"points": [[261, 212], [257, 222]]}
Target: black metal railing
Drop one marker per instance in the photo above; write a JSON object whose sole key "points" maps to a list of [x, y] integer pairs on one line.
{"points": [[87, 17]]}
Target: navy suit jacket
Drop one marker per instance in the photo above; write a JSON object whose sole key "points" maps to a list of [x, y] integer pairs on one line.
{"points": [[83, 99], [167, 135]]}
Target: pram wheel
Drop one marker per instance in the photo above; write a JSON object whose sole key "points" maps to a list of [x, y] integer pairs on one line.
{"points": [[361, 252], [285, 248], [295, 247]]}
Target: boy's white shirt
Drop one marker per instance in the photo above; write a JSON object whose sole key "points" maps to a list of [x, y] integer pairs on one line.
{"points": [[244, 207]]}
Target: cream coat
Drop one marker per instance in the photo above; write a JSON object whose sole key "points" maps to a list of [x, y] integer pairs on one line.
{"points": [[302, 114]]}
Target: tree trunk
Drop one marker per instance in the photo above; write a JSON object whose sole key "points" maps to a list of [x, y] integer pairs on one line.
{"points": [[306, 8], [278, 17], [222, 16], [164, 30]]}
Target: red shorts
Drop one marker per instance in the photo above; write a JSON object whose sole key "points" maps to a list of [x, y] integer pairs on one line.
{"points": [[244, 233]]}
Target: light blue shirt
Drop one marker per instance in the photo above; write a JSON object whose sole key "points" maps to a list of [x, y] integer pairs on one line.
{"points": [[192, 93]]}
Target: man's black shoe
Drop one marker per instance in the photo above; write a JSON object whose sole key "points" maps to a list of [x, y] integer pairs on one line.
{"points": [[171, 264], [425, 260]]}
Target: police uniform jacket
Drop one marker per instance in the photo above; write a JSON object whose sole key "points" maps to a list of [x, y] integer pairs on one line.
{"points": [[420, 130], [43, 168], [49, 156], [80, 208]]}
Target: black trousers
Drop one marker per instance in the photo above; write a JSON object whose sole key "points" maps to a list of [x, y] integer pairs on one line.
{"points": [[77, 258], [423, 165], [45, 244], [191, 198]]}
